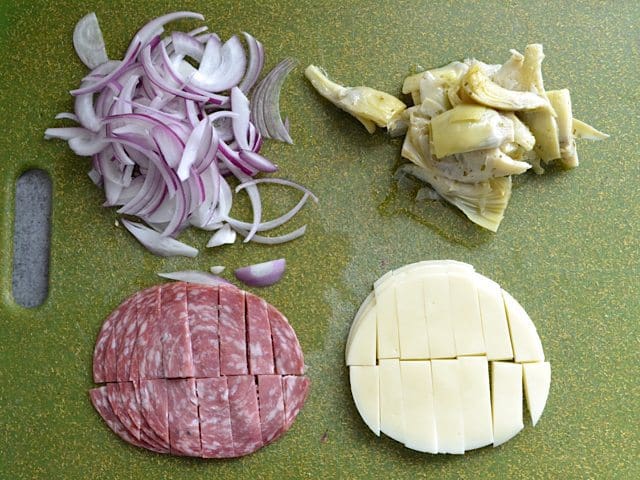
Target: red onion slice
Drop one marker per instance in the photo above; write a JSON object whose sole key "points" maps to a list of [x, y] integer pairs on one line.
{"points": [[194, 276], [228, 73], [224, 236], [153, 241], [297, 233], [88, 41], [217, 269], [256, 62], [262, 274]]}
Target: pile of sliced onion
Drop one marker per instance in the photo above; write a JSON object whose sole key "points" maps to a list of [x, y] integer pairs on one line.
{"points": [[170, 127]]}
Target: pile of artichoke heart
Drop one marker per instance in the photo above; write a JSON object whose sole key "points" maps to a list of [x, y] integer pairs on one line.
{"points": [[471, 127]]}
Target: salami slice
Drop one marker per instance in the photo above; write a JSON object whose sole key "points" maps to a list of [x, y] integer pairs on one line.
{"points": [[245, 414], [195, 370], [184, 424], [149, 341], [154, 407], [215, 418], [295, 394], [233, 342], [259, 342], [176, 338], [286, 348], [202, 306], [271, 400]]}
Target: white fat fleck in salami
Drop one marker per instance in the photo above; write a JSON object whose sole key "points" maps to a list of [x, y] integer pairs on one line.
{"points": [[149, 342], [271, 400], [184, 424], [295, 394], [100, 401], [286, 348], [245, 414], [233, 343], [177, 358], [259, 343], [154, 407], [215, 418], [202, 307]]}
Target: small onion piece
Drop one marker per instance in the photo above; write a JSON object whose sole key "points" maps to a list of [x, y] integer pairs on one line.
{"points": [[194, 276], [217, 269], [156, 243], [224, 236], [88, 41], [262, 274]]}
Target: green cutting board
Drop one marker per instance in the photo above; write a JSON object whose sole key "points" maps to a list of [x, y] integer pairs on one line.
{"points": [[568, 249]]}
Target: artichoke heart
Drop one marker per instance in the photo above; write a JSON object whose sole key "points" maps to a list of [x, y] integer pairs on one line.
{"points": [[485, 91], [465, 128], [371, 107], [583, 130], [561, 103]]}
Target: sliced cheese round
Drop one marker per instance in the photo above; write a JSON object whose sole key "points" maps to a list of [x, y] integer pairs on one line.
{"points": [[438, 358]]}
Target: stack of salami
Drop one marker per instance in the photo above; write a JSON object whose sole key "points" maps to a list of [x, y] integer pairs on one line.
{"points": [[196, 370]]}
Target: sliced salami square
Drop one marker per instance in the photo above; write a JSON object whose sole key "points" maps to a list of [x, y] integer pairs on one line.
{"points": [[271, 400], [128, 327], [154, 407], [215, 417], [286, 348], [245, 414], [147, 307], [99, 353], [184, 424], [117, 402], [259, 336], [233, 341], [295, 394], [202, 307], [148, 349], [177, 358], [120, 320]]}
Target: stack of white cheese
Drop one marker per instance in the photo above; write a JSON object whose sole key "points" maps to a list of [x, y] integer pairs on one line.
{"points": [[439, 356]]}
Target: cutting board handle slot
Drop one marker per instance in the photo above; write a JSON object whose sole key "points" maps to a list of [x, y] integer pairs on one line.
{"points": [[31, 238]]}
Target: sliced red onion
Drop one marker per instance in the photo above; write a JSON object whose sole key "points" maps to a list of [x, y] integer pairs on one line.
{"points": [[297, 233], [67, 116], [265, 106], [217, 269], [156, 243], [228, 73], [278, 181], [270, 225], [224, 236], [256, 62], [262, 274], [194, 276], [257, 161], [88, 41]]}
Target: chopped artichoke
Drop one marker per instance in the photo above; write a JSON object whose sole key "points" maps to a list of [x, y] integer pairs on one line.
{"points": [[371, 107], [544, 127], [510, 73], [434, 83], [561, 103], [583, 130], [521, 133], [469, 127], [479, 166], [485, 91]]}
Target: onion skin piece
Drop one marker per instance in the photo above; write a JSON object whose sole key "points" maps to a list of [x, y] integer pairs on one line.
{"points": [[88, 41], [195, 276], [262, 274]]}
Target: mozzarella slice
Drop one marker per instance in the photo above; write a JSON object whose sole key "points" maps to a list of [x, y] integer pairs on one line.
{"points": [[494, 319], [391, 417], [476, 401], [361, 344], [437, 308], [366, 394], [412, 322], [506, 399], [387, 320], [465, 314], [526, 343], [417, 406], [448, 406], [537, 381]]}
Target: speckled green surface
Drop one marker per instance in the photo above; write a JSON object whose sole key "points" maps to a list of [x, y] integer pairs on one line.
{"points": [[568, 248]]}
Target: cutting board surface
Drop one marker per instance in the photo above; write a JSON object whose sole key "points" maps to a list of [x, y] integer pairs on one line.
{"points": [[568, 248]]}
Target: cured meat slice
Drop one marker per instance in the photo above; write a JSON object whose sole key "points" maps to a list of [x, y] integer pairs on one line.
{"points": [[215, 418], [184, 424], [116, 401], [104, 337], [202, 307], [154, 407], [286, 348], [128, 327], [149, 342], [233, 342], [177, 358], [260, 348], [295, 393], [100, 401], [271, 400], [119, 323], [245, 414], [147, 308]]}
